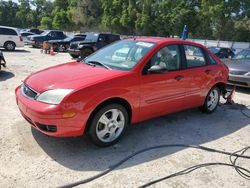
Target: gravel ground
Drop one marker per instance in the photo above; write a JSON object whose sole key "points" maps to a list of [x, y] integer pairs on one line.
{"points": [[31, 159]]}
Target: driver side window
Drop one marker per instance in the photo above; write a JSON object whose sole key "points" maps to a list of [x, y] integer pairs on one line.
{"points": [[167, 57]]}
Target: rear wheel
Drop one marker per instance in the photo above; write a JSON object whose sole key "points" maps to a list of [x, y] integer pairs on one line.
{"points": [[212, 100], [108, 125], [37, 44], [10, 46]]}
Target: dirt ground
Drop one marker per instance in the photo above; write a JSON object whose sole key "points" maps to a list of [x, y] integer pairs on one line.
{"points": [[31, 159]]}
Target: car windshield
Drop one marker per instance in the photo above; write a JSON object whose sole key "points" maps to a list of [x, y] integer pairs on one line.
{"points": [[68, 39], [214, 49], [244, 54], [45, 33], [122, 55], [93, 37]]}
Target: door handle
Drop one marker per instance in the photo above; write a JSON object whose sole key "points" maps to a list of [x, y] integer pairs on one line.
{"points": [[208, 71], [179, 77]]}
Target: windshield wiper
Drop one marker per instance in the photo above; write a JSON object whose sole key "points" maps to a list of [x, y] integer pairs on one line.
{"points": [[97, 63]]}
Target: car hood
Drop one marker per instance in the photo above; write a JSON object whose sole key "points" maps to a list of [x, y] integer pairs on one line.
{"points": [[234, 64], [72, 75]]}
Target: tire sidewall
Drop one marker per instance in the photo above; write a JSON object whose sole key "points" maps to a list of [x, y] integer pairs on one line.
{"points": [[205, 106], [95, 119], [6, 46]]}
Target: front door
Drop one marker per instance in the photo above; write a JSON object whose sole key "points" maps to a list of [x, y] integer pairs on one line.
{"points": [[163, 93]]}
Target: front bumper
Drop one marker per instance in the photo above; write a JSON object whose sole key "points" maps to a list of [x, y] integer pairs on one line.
{"points": [[48, 118], [239, 80], [74, 52]]}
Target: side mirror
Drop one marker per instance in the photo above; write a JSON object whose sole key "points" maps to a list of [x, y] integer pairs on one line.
{"points": [[157, 69]]}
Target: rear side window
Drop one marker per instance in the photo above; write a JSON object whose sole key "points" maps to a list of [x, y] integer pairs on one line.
{"points": [[113, 38], [6, 31], [59, 34], [212, 60], [194, 56]]}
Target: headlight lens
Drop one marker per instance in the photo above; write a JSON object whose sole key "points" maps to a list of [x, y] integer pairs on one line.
{"points": [[248, 74], [53, 96]]}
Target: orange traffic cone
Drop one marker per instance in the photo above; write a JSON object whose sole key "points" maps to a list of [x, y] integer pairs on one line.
{"points": [[52, 51]]}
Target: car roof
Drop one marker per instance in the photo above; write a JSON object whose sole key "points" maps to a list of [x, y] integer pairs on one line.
{"points": [[8, 27], [162, 40]]}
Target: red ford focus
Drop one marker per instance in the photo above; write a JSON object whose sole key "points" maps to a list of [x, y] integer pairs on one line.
{"points": [[121, 84]]}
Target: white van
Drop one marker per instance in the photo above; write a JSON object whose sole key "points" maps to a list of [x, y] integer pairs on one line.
{"points": [[10, 38]]}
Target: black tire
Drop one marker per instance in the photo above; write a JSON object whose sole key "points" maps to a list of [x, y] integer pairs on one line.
{"points": [[38, 44], [96, 125], [86, 52], [10, 46], [209, 107], [74, 56]]}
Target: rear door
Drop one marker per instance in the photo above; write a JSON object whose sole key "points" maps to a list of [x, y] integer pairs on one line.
{"points": [[163, 93], [201, 73]]}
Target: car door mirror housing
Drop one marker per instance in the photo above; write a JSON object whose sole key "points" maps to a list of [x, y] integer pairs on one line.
{"points": [[157, 69]]}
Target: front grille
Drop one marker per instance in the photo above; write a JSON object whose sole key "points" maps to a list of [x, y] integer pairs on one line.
{"points": [[28, 92], [47, 128], [237, 72]]}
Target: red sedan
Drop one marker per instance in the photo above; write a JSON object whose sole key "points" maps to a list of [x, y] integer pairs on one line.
{"points": [[124, 83]]}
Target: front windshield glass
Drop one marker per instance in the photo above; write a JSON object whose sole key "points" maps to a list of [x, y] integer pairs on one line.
{"points": [[122, 55], [68, 39], [45, 33], [244, 54], [92, 37]]}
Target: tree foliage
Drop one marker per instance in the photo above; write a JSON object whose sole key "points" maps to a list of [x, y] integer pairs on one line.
{"points": [[210, 19]]}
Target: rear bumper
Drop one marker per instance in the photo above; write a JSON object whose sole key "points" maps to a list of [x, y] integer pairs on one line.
{"points": [[48, 119], [238, 80]]}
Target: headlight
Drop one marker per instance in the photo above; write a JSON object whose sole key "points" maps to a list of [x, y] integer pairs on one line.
{"points": [[247, 74], [53, 96]]}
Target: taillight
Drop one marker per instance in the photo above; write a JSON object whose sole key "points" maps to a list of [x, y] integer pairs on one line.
{"points": [[21, 39]]}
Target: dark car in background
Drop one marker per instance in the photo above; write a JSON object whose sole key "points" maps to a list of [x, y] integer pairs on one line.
{"points": [[92, 42], [239, 69], [37, 40], [222, 52], [63, 45]]}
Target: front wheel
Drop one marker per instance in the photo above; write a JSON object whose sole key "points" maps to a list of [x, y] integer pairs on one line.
{"points": [[108, 125], [212, 100], [10, 46]]}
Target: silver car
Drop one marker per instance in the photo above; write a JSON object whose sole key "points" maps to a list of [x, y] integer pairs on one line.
{"points": [[239, 69]]}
